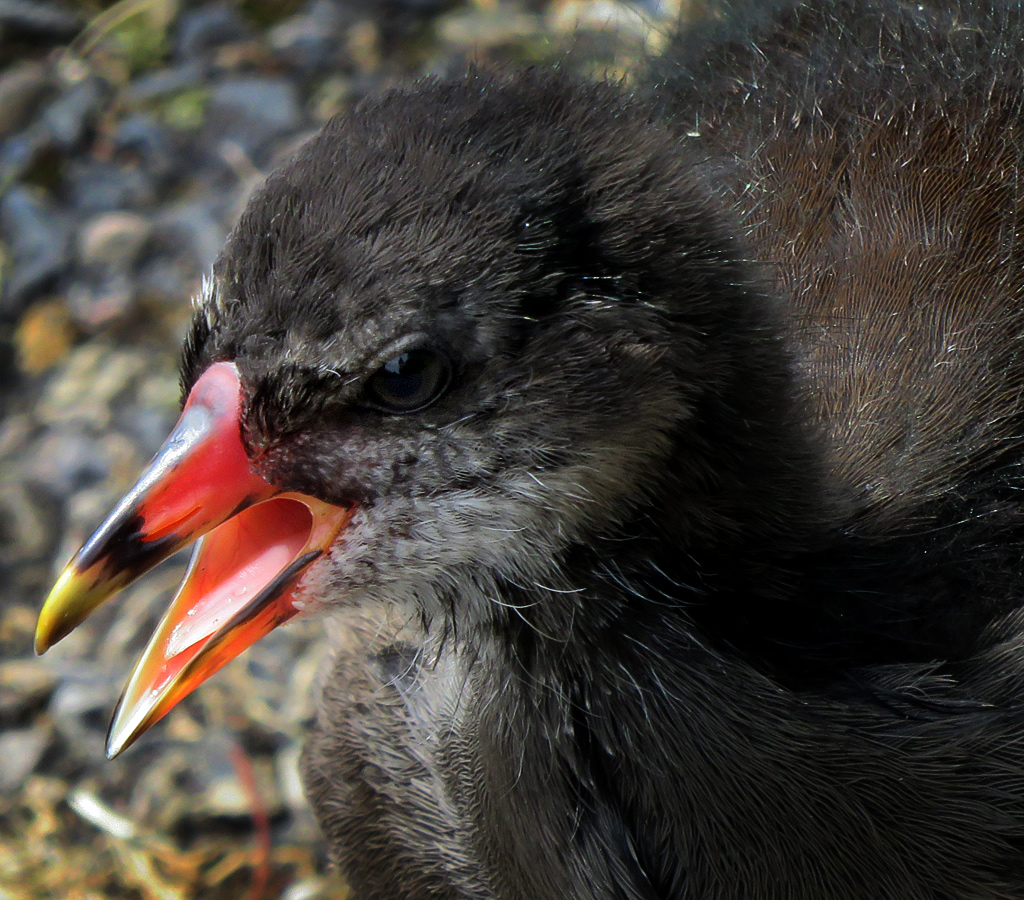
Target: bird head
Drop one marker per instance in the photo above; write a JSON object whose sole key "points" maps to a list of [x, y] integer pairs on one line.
{"points": [[467, 327]]}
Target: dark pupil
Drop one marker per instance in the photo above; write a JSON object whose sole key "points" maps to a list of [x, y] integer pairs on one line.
{"points": [[402, 380], [409, 382]]}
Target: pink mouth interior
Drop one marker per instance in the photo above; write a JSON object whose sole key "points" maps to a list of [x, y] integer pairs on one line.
{"points": [[233, 564]]}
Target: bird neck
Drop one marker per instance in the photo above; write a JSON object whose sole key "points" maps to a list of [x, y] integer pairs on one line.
{"points": [[722, 551]]}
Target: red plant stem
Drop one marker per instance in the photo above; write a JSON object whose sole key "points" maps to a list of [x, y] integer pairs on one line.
{"points": [[260, 819]]}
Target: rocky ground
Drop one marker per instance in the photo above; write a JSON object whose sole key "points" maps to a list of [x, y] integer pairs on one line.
{"points": [[130, 136]]}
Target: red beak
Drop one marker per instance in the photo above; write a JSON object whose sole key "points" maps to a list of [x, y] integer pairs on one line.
{"points": [[244, 575]]}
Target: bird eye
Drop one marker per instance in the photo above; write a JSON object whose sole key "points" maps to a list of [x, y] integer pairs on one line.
{"points": [[409, 382]]}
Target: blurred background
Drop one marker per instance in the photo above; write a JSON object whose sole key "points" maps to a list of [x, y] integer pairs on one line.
{"points": [[130, 136]]}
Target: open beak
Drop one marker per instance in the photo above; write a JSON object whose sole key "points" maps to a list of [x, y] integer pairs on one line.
{"points": [[255, 544]]}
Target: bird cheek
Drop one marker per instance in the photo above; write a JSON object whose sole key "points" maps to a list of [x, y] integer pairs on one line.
{"points": [[319, 581], [308, 462]]}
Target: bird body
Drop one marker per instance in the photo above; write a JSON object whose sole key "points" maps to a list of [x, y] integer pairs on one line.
{"points": [[676, 439], [788, 711]]}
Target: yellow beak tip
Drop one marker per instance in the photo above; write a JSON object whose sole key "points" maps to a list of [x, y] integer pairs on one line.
{"points": [[42, 643], [68, 603], [48, 626]]}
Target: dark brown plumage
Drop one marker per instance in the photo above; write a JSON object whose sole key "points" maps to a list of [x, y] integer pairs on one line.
{"points": [[786, 663], [682, 433]]}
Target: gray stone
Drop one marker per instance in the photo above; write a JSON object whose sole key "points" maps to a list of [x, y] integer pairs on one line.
{"points": [[65, 460], [38, 19], [17, 153], [77, 696], [147, 425], [192, 227], [24, 685], [38, 238], [168, 283], [179, 793], [80, 707], [141, 138], [86, 386], [271, 102], [20, 753], [207, 28], [310, 42], [22, 88], [106, 186], [26, 530], [94, 307], [113, 241], [162, 83], [68, 117]]}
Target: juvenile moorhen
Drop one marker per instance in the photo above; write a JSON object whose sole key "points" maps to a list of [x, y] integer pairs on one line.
{"points": [[657, 456]]}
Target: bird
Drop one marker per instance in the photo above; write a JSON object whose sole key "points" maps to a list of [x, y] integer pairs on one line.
{"points": [[652, 453]]}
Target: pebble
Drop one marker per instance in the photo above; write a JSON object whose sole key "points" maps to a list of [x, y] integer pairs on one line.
{"points": [[80, 709], [17, 153], [65, 460], [43, 336], [95, 307], [149, 426], [24, 685], [82, 691], [209, 27], [176, 793], [39, 19], [268, 106], [113, 241], [84, 388], [310, 42], [69, 116], [38, 236], [20, 752], [25, 525], [142, 140], [167, 282], [193, 227], [165, 82], [22, 88], [106, 186], [288, 778]]}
